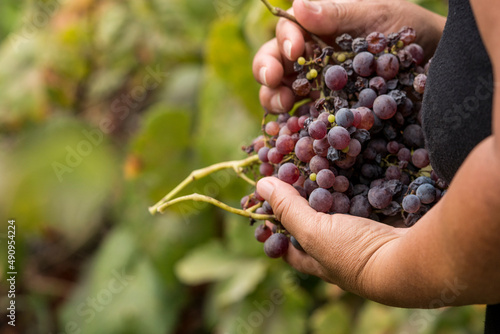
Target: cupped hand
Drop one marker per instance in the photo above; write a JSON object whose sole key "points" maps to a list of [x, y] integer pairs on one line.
{"points": [[341, 249], [272, 66]]}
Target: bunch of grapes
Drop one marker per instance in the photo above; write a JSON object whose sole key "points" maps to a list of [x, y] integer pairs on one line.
{"points": [[357, 148]]}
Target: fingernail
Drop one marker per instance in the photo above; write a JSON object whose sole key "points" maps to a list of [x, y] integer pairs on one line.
{"points": [[287, 47], [276, 103], [265, 188], [262, 74], [313, 7]]}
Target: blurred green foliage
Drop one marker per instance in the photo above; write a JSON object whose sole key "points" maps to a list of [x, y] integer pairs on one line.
{"points": [[107, 105]]}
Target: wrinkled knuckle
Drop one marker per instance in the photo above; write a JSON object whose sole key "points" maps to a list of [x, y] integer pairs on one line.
{"points": [[340, 11]]}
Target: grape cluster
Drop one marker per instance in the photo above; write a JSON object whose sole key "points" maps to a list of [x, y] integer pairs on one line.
{"points": [[358, 148]]}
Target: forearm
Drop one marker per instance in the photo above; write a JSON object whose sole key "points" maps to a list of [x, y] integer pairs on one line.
{"points": [[457, 244]]}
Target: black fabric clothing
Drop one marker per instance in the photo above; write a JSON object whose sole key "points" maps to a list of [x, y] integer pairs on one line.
{"points": [[457, 106], [458, 98]]}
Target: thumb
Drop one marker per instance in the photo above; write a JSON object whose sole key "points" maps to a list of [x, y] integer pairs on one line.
{"points": [[336, 17], [291, 209]]}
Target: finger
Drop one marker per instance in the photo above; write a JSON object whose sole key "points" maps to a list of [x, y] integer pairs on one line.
{"points": [[291, 209], [291, 39], [276, 100], [267, 66], [303, 262], [337, 17]]}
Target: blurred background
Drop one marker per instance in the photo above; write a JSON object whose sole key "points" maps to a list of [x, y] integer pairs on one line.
{"points": [[104, 107]]}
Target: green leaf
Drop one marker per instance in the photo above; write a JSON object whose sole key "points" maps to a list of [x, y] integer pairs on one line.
{"points": [[209, 262], [247, 275], [59, 175], [331, 318], [161, 147], [376, 318], [231, 58], [120, 285]]}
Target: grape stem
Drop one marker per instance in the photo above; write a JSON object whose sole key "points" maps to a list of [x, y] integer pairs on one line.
{"points": [[207, 199], [236, 165], [276, 11]]}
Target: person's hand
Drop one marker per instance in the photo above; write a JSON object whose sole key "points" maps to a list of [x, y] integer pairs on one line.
{"points": [[344, 250], [272, 66]]}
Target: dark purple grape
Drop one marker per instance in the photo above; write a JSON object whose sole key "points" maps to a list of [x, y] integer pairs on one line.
{"points": [[379, 197], [339, 137], [263, 154], [378, 84], [283, 118], [357, 118], [318, 163], [387, 66], [346, 162], [325, 178], [354, 148], [301, 87], [247, 202], [360, 207], [317, 129], [262, 233], [309, 186], [370, 171], [296, 244], [274, 156], [324, 118], [321, 147], [384, 107], [302, 192], [376, 42], [416, 52], [393, 147], [420, 158], [366, 97], [284, 144], [407, 35], [302, 120], [276, 245], [411, 203], [413, 136], [272, 128], [392, 173], [360, 189], [320, 200], [266, 169], [426, 193], [367, 118], [379, 145], [336, 77], [341, 184], [419, 181], [293, 124], [288, 173], [344, 117], [364, 64], [406, 108], [267, 208], [284, 130], [341, 203], [304, 149]]}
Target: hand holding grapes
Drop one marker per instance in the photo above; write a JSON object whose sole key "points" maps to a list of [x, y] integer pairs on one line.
{"points": [[340, 249], [273, 63]]}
